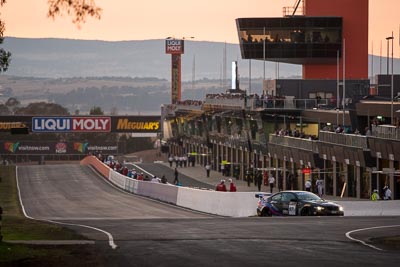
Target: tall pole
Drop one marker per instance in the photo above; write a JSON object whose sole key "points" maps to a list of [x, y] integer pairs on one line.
{"points": [[264, 57], [392, 114], [337, 89], [344, 80], [372, 61], [250, 76], [387, 58], [224, 63], [391, 82], [380, 59], [193, 75]]}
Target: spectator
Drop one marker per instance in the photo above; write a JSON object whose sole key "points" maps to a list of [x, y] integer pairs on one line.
{"points": [[259, 180], [232, 187], [375, 195], [208, 168], [155, 179], [221, 186], [387, 195], [248, 178], [320, 187], [164, 179], [185, 160], [271, 181], [308, 185], [170, 160], [280, 182], [176, 181], [368, 131], [223, 169]]}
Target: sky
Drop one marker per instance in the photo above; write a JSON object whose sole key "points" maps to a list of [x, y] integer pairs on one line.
{"points": [[206, 20]]}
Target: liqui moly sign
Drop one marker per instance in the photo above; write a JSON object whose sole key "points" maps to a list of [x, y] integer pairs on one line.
{"points": [[71, 124], [174, 46]]}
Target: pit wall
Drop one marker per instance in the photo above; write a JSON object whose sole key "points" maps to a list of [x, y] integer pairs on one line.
{"points": [[232, 204]]}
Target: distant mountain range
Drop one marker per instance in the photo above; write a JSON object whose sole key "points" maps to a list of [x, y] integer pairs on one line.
{"points": [[63, 58]]}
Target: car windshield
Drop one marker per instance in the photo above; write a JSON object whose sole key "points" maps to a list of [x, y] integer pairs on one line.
{"points": [[308, 196]]}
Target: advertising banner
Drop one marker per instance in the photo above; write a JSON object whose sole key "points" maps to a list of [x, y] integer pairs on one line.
{"points": [[9, 122], [173, 46], [136, 124], [71, 124], [87, 124], [57, 148]]}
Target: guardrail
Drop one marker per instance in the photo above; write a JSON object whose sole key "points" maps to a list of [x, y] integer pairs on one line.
{"points": [[294, 142], [228, 102], [386, 131], [234, 204], [354, 140]]}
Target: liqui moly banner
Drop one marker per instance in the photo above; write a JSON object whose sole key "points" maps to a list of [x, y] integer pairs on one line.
{"points": [[173, 46], [71, 124]]}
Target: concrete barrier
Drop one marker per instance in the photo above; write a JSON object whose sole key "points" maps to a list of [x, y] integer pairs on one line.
{"points": [[371, 208], [102, 168], [233, 204], [164, 192]]}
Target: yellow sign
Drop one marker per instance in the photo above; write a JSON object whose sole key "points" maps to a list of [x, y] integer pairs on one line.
{"points": [[10, 125], [125, 124]]}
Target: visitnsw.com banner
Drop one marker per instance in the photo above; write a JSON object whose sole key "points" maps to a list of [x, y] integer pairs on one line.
{"points": [[60, 148]]}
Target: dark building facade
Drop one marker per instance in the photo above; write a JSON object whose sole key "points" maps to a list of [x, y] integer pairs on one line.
{"points": [[325, 125]]}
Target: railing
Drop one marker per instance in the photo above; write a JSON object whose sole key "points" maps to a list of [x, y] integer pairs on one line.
{"points": [[353, 140], [188, 107], [288, 103], [288, 10], [386, 131], [227, 102], [217, 137], [294, 142], [257, 103]]}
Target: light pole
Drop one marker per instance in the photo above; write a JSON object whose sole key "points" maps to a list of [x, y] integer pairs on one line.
{"points": [[391, 82]]}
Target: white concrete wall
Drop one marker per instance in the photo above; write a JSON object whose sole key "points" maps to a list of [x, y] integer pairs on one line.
{"points": [[233, 204]]}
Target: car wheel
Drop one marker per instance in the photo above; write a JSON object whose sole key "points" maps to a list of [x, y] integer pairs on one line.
{"points": [[259, 213], [305, 212], [266, 212]]}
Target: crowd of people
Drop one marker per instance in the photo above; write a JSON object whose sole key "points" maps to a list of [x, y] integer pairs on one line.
{"points": [[295, 133], [222, 187], [386, 194], [182, 161]]}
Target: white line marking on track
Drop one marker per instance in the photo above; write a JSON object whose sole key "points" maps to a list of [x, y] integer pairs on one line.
{"points": [[365, 229], [110, 237]]}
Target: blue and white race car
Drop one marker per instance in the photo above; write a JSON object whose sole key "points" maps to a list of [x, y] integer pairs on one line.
{"points": [[295, 203]]}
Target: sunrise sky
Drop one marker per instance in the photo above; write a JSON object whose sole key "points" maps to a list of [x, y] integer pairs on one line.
{"points": [[206, 20]]}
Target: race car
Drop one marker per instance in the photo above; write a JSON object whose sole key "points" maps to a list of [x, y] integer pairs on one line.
{"points": [[293, 203]]}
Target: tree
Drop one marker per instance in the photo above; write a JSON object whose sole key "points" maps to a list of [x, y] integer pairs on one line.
{"points": [[96, 111], [42, 108], [12, 104], [79, 9], [5, 56]]}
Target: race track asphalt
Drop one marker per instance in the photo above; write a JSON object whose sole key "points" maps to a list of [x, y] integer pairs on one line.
{"points": [[150, 233]]}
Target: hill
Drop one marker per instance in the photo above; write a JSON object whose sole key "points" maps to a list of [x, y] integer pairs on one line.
{"points": [[61, 58]]}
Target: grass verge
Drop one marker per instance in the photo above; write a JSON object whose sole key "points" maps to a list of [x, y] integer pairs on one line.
{"points": [[15, 226]]}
